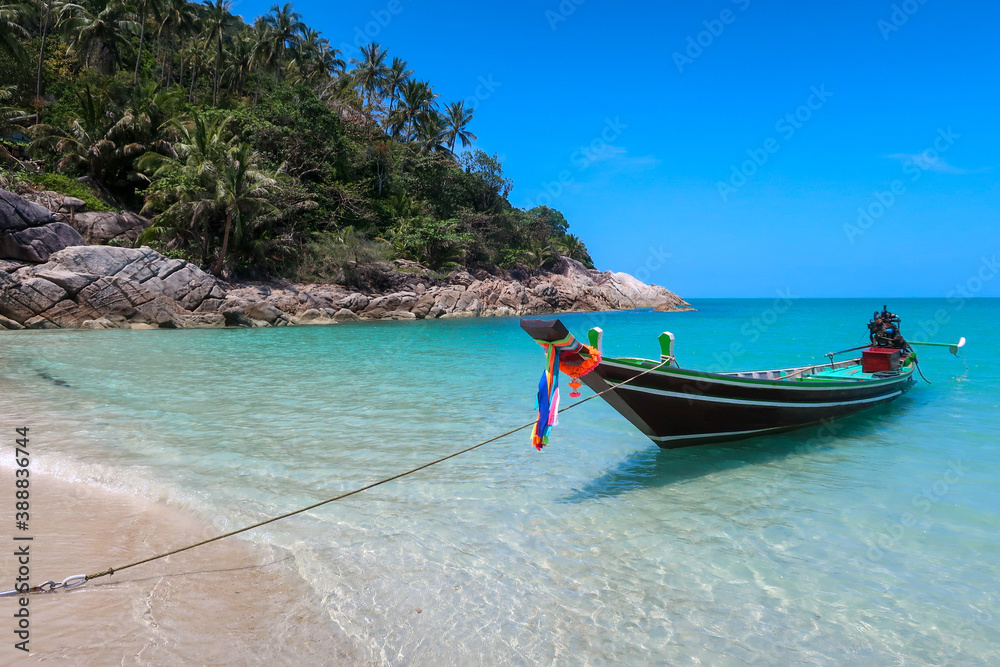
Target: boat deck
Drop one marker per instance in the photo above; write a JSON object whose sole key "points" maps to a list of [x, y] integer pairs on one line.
{"points": [[848, 370]]}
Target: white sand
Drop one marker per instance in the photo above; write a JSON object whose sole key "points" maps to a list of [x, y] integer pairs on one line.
{"points": [[223, 603]]}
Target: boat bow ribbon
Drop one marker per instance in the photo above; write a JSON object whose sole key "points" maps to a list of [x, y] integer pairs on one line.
{"points": [[563, 353]]}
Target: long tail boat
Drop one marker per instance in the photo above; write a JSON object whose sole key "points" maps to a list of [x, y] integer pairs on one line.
{"points": [[678, 407]]}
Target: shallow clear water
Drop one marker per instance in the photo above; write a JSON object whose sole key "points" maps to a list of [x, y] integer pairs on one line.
{"points": [[874, 541]]}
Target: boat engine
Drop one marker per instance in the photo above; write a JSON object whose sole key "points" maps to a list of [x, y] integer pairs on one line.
{"points": [[888, 345]]}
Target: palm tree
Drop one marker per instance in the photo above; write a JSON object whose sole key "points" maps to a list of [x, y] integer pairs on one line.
{"points": [[193, 167], [241, 191], [216, 21], [145, 7], [178, 19], [43, 26], [85, 144], [263, 55], [240, 61], [571, 246], [370, 72], [286, 25], [105, 145], [314, 60], [394, 79], [457, 117], [98, 30], [539, 253], [431, 133], [418, 100], [8, 118], [12, 31]]}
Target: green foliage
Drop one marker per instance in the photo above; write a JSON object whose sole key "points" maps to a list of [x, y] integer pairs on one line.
{"points": [[256, 149], [70, 186], [340, 256]]}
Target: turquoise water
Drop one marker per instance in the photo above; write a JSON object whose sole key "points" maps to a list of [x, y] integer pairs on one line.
{"points": [[874, 541]]}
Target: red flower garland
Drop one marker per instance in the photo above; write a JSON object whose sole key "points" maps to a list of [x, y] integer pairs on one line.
{"points": [[585, 367]]}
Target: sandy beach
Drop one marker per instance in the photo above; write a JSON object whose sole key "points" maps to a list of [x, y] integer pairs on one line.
{"points": [[224, 603]]}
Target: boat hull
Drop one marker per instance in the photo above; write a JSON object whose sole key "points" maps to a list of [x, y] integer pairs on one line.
{"points": [[680, 408]]}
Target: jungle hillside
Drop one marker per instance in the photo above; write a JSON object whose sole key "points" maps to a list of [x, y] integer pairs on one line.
{"points": [[256, 150]]}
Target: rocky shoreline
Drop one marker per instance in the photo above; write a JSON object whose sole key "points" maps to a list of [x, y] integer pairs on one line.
{"points": [[51, 278]]}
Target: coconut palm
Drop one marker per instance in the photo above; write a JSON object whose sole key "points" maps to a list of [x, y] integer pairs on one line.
{"points": [[286, 26], [187, 206], [146, 7], [44, 18], [431, 133], [418, 100], [370, 71], [98, 30], [240, 62], [8, 118], [179, 20], [394, 79], [12, 32], [262, 50], [456, 118], [571, 246], [84, 145], [539, 253], [240, 193], [105, 144], [314, 61], [215, 24]]}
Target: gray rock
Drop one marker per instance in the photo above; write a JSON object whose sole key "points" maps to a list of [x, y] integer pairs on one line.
{"points": [[10, 266], [543, 290], [423, 306], [99, 323], [399, 315], [309, 315], [103, 260], [355, 302], [345, 315], [17, 213], [72, 204], [201, 321], [235, 317], [265, 312], [36, 244], [102, 227], [9, 324], [69, 281]]}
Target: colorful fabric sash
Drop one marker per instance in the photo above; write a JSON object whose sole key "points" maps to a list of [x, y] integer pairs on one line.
{"points": [[548, 386]]}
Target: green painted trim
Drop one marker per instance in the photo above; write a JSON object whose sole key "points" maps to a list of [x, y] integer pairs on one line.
{"points": [[647, 363], [594, 337]]}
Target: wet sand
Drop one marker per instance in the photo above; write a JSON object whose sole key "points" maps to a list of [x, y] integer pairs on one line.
{"points": [[224, 603]]}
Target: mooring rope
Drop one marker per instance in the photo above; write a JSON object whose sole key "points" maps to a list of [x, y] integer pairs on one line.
{"points": [[80, 579]]}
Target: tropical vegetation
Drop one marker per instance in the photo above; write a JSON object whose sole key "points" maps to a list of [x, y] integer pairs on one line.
{"points": [[258, 149]]}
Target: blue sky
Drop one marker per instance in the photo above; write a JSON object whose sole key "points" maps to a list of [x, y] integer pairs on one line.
{"points": [[730, 148]]}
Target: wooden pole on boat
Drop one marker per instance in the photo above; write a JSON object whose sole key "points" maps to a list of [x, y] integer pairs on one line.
{"points": [[952, 347]]}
